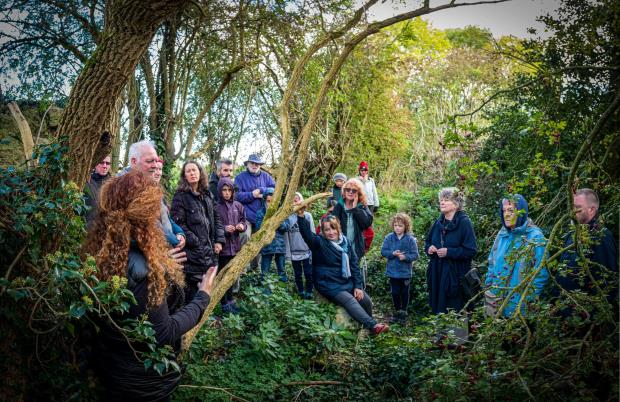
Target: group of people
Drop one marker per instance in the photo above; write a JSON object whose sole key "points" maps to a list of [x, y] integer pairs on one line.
{"points": [[516, 275], [170, 253]]}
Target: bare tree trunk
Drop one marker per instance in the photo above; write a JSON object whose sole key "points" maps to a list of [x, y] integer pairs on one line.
{"points": [[24, 130], [129, 28]]}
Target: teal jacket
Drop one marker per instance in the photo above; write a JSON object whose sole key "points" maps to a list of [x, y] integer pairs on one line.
{"points": [[514, 255]]}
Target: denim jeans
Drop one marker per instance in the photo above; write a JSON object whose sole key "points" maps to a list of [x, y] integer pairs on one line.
{"points": [[360, 311], [265, 265], [304, 268]]}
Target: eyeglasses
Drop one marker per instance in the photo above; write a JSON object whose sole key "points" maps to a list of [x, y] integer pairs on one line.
{"points": [[363, 170], [350, 190], [105, 163]]}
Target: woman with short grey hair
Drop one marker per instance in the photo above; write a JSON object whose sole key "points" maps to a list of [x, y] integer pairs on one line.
{"points": [[451, 245]]}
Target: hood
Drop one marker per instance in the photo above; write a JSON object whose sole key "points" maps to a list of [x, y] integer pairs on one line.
{"points": [[454, 223], [263, 201], [225, 181], [522, 210]]}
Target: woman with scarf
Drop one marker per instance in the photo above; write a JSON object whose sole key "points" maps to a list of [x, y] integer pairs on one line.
{"points": [[451, 245], [517, 252], [335, 271], [353, 214]]}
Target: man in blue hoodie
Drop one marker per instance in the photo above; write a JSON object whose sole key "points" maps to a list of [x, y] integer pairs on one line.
{"points": [[251, 185]]}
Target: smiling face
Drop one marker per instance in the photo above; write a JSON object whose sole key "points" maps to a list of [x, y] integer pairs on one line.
{"points": [[104, 167], [330, 232], [350, 193], [192, 174]]}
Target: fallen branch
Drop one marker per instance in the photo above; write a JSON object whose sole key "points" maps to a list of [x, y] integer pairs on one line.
{"points": [[206, 387], [325, 382]]}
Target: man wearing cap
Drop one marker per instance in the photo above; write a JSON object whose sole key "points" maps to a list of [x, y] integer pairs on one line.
{"points": [[369, 186], [251, 185]]}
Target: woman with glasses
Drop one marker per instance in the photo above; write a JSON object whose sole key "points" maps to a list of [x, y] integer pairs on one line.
{"points": [[451, 245], [335, 272], [353, 214]]}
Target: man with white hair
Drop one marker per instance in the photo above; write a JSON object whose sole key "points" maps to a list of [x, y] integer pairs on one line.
{"points": [[601, 252], [143, 157]]}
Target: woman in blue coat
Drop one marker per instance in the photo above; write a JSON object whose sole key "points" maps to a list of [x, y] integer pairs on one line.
{"points": [[451, 245], [517, 251], [335, 272]]}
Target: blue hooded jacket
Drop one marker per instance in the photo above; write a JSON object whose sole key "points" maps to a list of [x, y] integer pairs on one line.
{"points": [[395, 268], [515, 254]]}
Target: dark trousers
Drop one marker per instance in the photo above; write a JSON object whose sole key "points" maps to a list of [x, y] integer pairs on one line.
{"points": [[360, 311], [191, 286], [265, 264], [303, 267], [222, 263], [400, 292]]}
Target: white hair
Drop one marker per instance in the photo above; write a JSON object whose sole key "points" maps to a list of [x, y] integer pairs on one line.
{"points": [[136, 149], [452, 194]]}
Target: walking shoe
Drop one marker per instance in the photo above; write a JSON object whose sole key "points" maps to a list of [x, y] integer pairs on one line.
{"points": [[308, 295], [379, 328], [401, 316], [226, 308], [283, 278]]}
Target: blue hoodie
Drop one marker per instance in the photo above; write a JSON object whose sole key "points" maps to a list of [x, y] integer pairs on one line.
{"points": [[395, 268], [508, 266]]}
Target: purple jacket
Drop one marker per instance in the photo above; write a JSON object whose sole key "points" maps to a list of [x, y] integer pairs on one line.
{"points": [[231, 213], [246, 182]]}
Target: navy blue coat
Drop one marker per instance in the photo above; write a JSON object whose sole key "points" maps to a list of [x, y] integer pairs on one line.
{"points": [[603, 251], [327, 264], [444, 275]]}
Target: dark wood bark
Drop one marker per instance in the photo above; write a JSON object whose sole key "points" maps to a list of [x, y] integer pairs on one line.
{"points": [[129, 29]]}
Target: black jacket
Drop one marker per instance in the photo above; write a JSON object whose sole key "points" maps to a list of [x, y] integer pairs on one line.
{"points": [[199, 219], [91, 194], [213, 181], [123, 376], [362, 220]]}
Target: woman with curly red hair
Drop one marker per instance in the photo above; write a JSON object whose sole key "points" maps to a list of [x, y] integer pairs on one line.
{"points": [[127, 242]]}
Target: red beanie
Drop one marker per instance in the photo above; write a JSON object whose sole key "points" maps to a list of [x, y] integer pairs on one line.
{"points": [[363, 164]]}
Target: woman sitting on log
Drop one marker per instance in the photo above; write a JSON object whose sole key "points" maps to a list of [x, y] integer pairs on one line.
{"points": [[335, 271]]}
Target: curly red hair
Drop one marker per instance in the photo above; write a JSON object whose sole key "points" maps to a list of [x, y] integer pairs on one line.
{"points": [[129, 210]]}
